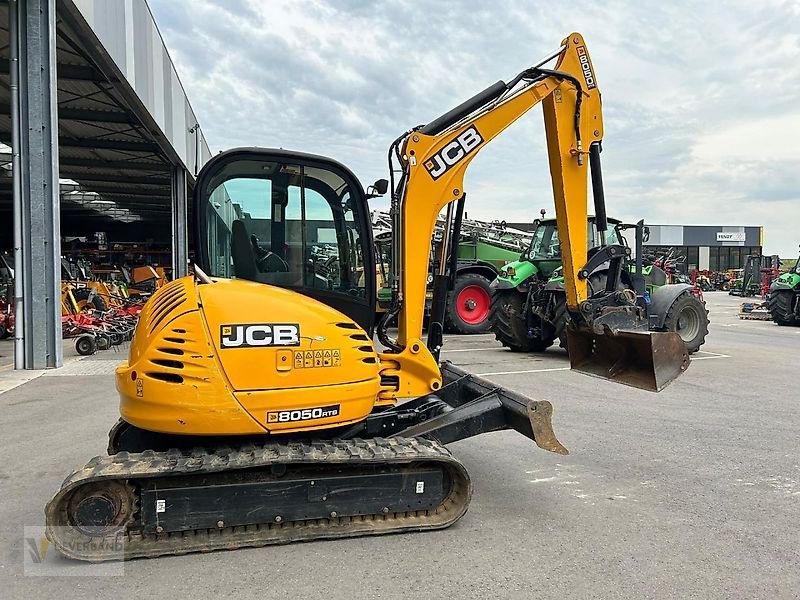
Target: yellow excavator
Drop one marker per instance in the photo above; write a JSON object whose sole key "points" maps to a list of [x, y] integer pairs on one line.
{"points": [[255, 406]]}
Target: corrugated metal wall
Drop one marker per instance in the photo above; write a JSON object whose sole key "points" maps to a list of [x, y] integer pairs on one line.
{"points": [[128, 32]]}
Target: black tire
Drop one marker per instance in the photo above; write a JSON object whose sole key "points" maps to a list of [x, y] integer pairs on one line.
{"points": [[458, 318], [84, 294], [86, 345], [3, 332], [560, 320], [688, 317], [780, 304], [508, 323]]}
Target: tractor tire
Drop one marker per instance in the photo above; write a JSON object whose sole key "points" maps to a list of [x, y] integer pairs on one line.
{"points": [[688, 317], [86, 345], [560, 321], [508, 323], [780, 307], [82, 300], [469, 305]]}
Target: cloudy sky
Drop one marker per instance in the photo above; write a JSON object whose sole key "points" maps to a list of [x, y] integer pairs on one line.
{"points": [[701, 99]]}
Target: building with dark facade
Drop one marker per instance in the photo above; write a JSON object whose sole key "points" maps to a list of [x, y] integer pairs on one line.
{"points": [[707, 247]]}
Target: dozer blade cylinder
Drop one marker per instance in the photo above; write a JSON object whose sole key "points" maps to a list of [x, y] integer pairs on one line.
{"points": [[644, 359]]}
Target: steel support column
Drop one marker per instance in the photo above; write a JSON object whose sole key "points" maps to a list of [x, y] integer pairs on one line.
{"points": [[180, 239], [37, 229]]}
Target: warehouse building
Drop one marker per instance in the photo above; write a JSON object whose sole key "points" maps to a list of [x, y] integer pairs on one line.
{"points": [[706, 247], [99, 150]]}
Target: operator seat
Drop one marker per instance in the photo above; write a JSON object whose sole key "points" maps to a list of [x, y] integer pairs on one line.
{"points": [[266, 260], [244, 259]]}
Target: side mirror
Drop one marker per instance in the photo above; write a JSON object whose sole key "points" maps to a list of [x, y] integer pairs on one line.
{"points": [[379, 188], [646, 234]]}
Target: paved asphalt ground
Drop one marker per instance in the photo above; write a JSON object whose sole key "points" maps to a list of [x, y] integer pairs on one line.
{"points": [[693, 492]]}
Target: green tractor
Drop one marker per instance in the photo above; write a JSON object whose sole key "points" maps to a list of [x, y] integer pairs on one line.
{"points": [[483, 248], [529, 309], [784, 297]]}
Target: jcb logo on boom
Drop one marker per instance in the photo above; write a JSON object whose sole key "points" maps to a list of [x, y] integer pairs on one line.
{"points": [[452, 153], [586, 67], [259, 334]]}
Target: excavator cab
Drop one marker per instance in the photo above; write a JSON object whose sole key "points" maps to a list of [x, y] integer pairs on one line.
{"points": [[292, 220]]}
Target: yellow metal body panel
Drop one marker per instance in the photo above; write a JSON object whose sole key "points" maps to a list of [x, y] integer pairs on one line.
{"points": [[144, 273], [426, 196], [181, 380], [332, 351]]}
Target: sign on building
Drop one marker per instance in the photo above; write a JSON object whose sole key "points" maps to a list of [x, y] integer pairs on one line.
{"points": [[724, 236]]}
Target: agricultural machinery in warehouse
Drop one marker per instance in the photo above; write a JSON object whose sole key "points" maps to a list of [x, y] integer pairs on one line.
{"points": [[6, 295], [96, 314], [529, 306]]}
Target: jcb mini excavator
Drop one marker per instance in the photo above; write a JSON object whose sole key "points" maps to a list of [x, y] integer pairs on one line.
{"points": [[256, 408]]}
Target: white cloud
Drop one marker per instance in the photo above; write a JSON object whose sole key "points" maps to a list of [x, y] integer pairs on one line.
{"points": [[700, 98]]}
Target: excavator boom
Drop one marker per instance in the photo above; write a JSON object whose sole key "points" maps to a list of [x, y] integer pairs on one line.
{"points": [[433, 160]]}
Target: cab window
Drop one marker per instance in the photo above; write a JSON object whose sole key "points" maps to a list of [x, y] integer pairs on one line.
{"points": [[292, 226]]}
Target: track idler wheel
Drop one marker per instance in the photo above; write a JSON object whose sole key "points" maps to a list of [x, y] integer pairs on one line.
{"points": [[99, 508]]}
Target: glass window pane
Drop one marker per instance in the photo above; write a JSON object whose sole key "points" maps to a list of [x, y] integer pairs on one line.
{"points": [[693, 258], [736, 258], [292, 226], [724, 258]]}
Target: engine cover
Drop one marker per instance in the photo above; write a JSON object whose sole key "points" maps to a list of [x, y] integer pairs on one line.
{"points": [[235, 357]]}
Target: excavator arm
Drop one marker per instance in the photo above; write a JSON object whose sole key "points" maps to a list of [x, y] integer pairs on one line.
{"points": [[433, 160]]}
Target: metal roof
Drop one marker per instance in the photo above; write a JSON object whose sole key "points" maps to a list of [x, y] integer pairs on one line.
{"points": [[109, 144]]}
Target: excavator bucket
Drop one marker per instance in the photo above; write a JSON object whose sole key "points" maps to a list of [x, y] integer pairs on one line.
{"points": [[644, 359]]}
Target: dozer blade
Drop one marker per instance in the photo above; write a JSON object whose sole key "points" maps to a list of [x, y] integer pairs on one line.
{"points": [[644, 359], [476, 406]]}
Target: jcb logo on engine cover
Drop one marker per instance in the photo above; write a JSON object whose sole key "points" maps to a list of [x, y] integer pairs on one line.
{"points": [[303, 414], [452, 153], [257, 335], [586, 67]]}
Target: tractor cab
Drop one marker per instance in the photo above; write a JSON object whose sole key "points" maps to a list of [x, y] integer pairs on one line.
{"points": [[542, 259]]}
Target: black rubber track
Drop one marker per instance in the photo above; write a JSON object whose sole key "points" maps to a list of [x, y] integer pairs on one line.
{"points": [[134, 469]]}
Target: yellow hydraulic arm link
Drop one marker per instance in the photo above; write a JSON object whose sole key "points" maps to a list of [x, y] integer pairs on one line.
{"points": [[433, 160]]}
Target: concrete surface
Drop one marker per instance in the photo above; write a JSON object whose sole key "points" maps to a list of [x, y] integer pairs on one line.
{"points": [[7, 352], [694, 492]]}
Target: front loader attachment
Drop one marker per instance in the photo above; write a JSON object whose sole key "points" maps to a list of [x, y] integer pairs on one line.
{"points": [[644, 359]]}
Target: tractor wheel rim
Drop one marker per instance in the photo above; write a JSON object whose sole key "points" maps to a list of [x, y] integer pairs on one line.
{"points": [[688, 324], [473, 304]]}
